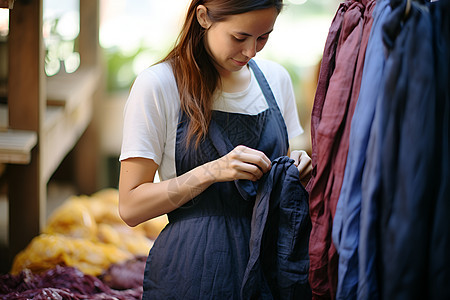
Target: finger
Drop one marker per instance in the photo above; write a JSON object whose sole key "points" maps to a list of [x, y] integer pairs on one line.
{"points": [[252, 156], [251, 168], [251, 172], [295, 155], [301, 159], [304, 163], [260, 162], [242, 170]]}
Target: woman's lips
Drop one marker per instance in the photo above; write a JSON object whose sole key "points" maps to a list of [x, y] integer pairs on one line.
{"points": [[240, 63]]}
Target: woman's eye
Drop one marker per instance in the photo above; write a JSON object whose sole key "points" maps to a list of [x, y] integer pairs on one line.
{"points": [[239, 39], [264, 37]]}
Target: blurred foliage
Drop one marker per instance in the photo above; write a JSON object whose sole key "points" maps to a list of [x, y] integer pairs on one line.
{"points": [[121, 66], [118, 61]]}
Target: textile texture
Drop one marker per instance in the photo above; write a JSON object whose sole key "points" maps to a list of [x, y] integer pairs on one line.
{"points": [[335, 101]]}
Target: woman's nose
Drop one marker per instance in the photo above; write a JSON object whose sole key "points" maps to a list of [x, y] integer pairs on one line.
{"points": [[250, 48]]}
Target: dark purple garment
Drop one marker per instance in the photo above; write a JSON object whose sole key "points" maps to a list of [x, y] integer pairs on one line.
{"points": [[356, 267], [334, 104], [318, 275]]}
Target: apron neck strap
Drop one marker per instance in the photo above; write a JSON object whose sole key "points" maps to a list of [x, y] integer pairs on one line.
{"points": [[263, 84]]}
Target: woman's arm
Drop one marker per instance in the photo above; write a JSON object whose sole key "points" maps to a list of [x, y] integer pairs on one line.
{"points": [[140, 199]]}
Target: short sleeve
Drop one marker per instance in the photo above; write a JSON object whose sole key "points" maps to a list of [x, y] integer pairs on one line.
{"points": [[144, 130], [289, 111]]}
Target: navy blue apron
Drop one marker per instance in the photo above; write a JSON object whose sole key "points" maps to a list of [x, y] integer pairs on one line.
{"points": [[203, 252]]}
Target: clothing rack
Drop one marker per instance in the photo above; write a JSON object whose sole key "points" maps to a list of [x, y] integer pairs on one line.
{"points": [[388, 223]]}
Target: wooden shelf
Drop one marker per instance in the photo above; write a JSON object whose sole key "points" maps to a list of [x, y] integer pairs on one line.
{"points": [[69, 90], [67, 115], [46, 117], [16, 145]]}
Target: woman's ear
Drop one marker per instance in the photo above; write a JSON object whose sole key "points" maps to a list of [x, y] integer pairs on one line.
{"points": [[202, 17]]}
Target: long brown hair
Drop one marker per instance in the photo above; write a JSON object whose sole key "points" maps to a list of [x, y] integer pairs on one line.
{"points": [[194, 71]]}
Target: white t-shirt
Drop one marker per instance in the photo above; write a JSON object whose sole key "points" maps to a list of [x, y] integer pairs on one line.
{"points": [[153, 105]]}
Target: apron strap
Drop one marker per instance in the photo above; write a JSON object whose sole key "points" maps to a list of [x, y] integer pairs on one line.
{"points": [[263, 84]]}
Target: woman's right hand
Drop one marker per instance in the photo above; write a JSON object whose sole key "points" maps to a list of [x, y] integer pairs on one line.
{"points": [[140, 199], [240, 163]]}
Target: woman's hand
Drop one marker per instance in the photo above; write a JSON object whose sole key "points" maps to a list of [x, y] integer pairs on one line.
{"points": [[240, 163], [303, 163], [140, 199]]}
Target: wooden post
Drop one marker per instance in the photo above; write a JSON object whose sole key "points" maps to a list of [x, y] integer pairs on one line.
{"points": [[89, 33], [87, 153], [26, 103]]}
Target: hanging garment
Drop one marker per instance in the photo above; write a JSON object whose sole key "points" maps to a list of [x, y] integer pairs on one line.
{"points": [[334, 103], [402, 176], [279, 261], [318, 247], [439, 271], [203, 251], [356, 274], [410, 132], [327, 66]]}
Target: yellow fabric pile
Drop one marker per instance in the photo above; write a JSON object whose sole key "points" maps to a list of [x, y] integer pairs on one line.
{"points": [[48, 250], [87, 232]]}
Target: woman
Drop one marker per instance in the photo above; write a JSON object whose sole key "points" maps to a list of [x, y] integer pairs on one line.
{"points": [[202, 120]]}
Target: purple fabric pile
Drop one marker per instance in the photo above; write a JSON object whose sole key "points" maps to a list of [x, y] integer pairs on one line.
{"points": [[121, 281], [127, 275]]}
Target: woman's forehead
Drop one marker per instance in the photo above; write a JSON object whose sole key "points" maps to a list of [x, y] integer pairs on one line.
{"points": [[249, 23]]}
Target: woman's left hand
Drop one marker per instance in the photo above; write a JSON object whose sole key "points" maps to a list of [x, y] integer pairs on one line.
{"points": [[303, 163]]}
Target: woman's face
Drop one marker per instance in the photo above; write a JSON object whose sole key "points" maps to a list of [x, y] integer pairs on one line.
{"points": [[234, 41]]}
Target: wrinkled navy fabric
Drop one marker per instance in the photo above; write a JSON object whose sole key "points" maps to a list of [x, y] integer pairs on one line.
{"points": [[204, 250], [367, 276], [279, 261], [439, 271], [409, 137], [406, 176]]}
